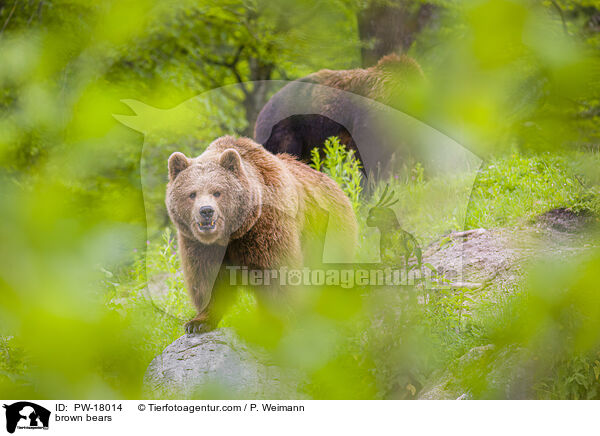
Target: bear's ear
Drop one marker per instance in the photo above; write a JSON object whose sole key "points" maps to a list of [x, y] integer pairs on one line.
{"points": [[177, 163], [231, 160]]}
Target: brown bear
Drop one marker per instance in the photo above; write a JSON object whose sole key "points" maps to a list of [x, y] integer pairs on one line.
{"points": [[304, 113], [239, 205]]}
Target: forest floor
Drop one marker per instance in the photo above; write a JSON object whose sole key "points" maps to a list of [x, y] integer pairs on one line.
{"points": [[494, 265]]}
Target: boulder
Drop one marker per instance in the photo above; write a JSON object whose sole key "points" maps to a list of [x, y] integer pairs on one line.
{"points": [[215, 364]]}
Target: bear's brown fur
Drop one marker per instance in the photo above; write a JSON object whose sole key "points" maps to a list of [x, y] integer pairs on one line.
{"points": [[237, 204], [381, 82], [300, 117]]}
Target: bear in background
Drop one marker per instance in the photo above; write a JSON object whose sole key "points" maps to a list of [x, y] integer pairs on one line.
{"points": [[300, 117], [239, 205]]}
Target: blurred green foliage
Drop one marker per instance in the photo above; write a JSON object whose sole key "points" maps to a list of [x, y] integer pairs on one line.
{"points": [[515, 81]]}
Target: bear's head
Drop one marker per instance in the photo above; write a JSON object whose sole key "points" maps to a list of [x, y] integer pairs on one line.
{"points": [[213, 198]]}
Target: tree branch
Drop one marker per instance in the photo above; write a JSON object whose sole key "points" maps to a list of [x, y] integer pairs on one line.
{"points": [[562, 15], [232, 66], [36, 11], [12, 11]]}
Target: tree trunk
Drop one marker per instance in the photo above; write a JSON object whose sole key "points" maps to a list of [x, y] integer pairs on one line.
{"points": [[256, 95], [391, 27]]}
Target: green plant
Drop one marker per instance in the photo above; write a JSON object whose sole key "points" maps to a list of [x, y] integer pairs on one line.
{"points": [[418, 173], [342, 166], [575, 377], [12, 360], [447, 307]]}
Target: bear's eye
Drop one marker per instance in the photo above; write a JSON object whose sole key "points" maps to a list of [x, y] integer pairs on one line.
{"points": [[216, 194], [193, 195]]}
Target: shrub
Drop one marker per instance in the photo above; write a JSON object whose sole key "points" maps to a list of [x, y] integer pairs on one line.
{"points": [[342, 166]]}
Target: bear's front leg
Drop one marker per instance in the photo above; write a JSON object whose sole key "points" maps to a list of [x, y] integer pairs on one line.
{"points": [[201, 265], [221, 298]]}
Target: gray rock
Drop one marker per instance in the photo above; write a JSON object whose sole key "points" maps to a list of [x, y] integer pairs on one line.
{"points": [[216, 364], [497, 258]]}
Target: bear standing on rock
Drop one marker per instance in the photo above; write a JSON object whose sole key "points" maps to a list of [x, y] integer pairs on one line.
{"points": [[239, 205], [304, 113]]}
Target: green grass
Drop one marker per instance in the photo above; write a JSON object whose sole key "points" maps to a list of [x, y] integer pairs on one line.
{"points": [[508, 191], [159, 316], [427, 208], [517, 188]]}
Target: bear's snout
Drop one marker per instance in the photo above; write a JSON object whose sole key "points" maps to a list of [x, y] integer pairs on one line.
{"points": [[207, 218], [206, 213]]}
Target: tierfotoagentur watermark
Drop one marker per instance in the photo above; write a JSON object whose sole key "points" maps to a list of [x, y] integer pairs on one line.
{"points": [[344, 277]]}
